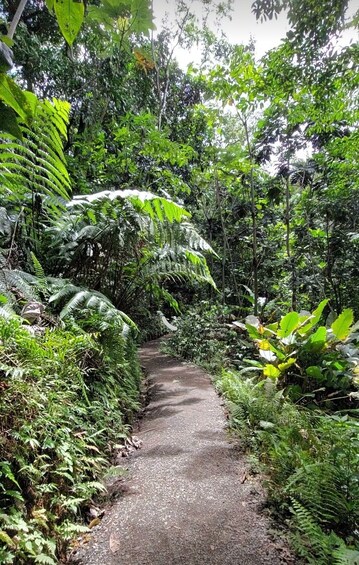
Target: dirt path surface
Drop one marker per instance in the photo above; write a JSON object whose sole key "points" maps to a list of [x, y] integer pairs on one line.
{"points": [[187, 503]]}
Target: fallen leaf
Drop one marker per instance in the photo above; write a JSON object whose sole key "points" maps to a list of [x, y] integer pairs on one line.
{"points": [[94, 522]]}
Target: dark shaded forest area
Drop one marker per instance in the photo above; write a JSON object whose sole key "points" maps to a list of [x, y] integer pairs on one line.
{"points": [[225, 195]]}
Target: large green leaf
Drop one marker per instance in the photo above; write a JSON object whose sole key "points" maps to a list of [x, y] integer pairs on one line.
{"points": [[341, 326], [314, 318], [314, 372], [70, 15], [8, 121], [142, 17], [14, 97], [288, 323], [317, 341]]}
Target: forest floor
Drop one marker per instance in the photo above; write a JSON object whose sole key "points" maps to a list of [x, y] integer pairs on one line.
{"points": [[189, 498]]}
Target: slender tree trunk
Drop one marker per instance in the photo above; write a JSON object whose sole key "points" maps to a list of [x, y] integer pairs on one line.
{"points": [[163, 95], [224, 246], [16, 18], [254, 219], [291, 261], [329, 270]]}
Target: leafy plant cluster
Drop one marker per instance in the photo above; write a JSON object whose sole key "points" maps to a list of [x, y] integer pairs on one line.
{"points": [[311, 362], [310, 459], [298, 415], [67, 398], [205, 335]]}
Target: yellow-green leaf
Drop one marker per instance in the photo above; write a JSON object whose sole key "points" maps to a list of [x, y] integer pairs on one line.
{"points": [[271, 371], [264, 344], [341, 326], [288, 323], [69, 15], [284, 366], [315, 317], [317, 341], [5, 538]]}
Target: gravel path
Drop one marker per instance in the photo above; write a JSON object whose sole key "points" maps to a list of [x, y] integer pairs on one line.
{"points": [[187, 502]]}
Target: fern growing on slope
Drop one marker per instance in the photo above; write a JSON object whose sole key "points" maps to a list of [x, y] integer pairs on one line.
{"points": [[316, 546], [77, 300]]}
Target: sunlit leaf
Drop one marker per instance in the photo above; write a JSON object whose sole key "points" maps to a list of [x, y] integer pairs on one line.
{"points": [[317, 341], [288, 323], [70, 15], [14, 97], [341, 326], [284, 366], [271, 371]]}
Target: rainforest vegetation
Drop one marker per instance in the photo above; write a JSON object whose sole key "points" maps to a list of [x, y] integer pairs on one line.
{"points": [[225, 195]]}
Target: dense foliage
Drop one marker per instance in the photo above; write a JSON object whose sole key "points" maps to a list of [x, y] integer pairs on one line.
{"points": [[229, 192], [67, 399]]}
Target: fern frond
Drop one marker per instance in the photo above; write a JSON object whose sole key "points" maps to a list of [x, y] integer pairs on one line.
{"points": [[14, 281], [323, 490], [82, 298], [345, 556], [190, 237], [39, 273], [37, 163], [156, 207], [7, 312]]}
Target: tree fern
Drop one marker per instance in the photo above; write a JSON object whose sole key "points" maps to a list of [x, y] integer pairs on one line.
{"points": [[147, 203], [126, 243]]}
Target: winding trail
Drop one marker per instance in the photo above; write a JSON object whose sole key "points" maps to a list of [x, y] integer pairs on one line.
{"points": [[187, 502]]}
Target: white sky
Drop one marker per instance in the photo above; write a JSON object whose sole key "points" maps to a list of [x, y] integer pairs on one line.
{"points": [[241, 28]]}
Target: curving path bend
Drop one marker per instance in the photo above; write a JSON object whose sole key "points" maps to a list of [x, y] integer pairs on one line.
{"points": [[187, 502]]}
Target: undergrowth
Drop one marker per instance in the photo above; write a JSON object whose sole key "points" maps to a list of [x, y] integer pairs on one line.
{"points": [[206, 336], [66, 397], [311, 460]]}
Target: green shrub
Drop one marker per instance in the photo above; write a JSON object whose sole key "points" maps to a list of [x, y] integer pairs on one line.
{"points": [[206, 336], [310, 459], [66, 398], [314, 363]]}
